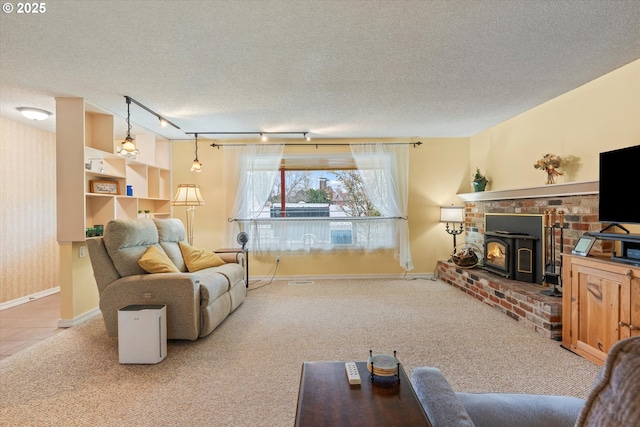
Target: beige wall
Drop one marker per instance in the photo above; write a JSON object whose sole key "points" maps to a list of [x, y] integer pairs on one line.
{"points": [[601, 115], [438, 170], [29, 252]]}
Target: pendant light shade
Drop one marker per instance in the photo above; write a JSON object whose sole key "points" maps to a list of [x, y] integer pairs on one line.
{"points": [[197, 166], [128, 146]]}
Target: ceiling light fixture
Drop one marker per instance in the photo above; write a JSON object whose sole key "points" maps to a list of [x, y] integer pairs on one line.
{"points": [[34, 113], [197, 166], [128, 147], [163, 122], [306, 136]]}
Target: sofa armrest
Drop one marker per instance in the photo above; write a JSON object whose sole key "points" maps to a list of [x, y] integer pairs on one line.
{"points": [[438, 399], [231, 257], [180, 292], [522, 410]]}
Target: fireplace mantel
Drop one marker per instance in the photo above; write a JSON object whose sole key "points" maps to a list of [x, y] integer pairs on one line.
{"points": [[551, 190]]}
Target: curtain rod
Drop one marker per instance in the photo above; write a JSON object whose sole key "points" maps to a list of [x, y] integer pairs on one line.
{"points": [[318, 218], [310, 144]]}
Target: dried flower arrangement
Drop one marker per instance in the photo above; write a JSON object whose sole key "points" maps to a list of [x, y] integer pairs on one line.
{"points": [[550, 163]]}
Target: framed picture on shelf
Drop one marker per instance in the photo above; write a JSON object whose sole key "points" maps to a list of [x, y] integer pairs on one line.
{"points": [[104, 187]]}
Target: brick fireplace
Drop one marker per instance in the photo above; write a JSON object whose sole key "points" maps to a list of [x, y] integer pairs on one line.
{"points": [[518, 299]]}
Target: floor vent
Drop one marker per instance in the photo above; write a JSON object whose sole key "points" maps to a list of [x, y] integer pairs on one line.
{"points": [[301, 282]]}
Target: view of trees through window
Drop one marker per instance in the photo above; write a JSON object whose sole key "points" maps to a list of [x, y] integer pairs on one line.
{"points": [[332, 193]]}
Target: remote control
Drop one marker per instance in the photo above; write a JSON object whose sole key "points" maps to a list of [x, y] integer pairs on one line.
{"points": [[352, 373]]}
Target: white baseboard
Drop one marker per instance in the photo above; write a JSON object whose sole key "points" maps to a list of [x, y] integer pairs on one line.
{"points": [[67, 323], [28, 298], [427, 276]]}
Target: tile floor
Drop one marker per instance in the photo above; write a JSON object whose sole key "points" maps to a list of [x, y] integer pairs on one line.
{"points": [[27, 324]]}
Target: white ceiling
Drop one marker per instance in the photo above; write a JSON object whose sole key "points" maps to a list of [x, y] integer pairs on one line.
{"points": [[338, 69]]}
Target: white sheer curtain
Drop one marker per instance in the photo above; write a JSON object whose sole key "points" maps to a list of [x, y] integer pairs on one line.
{"points": [[257, 166], [384, 169]]}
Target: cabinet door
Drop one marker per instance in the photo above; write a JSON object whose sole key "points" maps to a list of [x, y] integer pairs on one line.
{"points": [[630, 314], [596, 294]]}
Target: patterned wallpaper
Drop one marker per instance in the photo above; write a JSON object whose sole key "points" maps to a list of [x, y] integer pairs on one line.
{"points": [[29, 255]]}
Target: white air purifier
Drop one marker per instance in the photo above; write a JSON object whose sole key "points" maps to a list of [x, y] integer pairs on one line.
{"points": [[142, 334]]}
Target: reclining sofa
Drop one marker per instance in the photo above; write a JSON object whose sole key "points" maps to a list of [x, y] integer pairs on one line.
{"points": [[196, 302], [614, 399]]}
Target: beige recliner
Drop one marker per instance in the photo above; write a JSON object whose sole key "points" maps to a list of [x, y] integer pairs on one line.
{"points": [[196, 302]]}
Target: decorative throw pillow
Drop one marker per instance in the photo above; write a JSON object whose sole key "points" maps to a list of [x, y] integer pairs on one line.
{"points": [[198, 259], [155, 260]]}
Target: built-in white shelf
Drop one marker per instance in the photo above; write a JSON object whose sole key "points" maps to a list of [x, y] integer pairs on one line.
{"points": [[550, 190]]}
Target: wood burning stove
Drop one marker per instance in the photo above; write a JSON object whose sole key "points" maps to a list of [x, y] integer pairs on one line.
{"points": [[514, 246], [510, 255]]}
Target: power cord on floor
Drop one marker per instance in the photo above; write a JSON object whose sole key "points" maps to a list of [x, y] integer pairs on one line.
{"points": [[274, 269], [431, 279]]}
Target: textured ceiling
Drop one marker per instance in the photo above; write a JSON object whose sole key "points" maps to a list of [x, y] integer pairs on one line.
{"points": [[338, 69]]}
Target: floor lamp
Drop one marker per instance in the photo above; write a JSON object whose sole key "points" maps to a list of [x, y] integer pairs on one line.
{"points": [[189, 195], [453, 215]]}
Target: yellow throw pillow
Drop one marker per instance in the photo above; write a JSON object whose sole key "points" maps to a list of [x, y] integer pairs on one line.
{"points": [[156, 261], [198, 259]]}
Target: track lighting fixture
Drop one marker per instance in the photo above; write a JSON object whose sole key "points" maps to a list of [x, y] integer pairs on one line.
{"points": [[263, 135], [197, 166], [163, 121], [128, 147]]}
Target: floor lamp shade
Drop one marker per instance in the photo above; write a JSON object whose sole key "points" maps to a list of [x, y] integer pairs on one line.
{"points": [[189, 195]]}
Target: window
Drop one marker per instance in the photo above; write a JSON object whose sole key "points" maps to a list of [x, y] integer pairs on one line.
{"points": [[323, 210], [345, 201]]}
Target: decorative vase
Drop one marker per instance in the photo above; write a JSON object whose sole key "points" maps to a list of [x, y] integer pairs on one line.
{"points": [[479, 185], [552, 175]]}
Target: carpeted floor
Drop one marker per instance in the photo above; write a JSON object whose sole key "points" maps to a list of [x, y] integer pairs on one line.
{"points": [[247, 372]]}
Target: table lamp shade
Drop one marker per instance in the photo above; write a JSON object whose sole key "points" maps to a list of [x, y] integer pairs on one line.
{"points": [[188, 195], [452, 214]]}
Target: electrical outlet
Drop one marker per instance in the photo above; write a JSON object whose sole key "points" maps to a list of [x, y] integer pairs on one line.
{"points": [[278, 259], [81, 251]]}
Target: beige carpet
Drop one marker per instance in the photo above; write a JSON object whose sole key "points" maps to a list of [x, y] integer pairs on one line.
{"points": [[247, 372]]}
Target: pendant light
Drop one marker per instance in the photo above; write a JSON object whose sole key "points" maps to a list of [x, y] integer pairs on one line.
{"points": [[128, 147], [197, 166]]}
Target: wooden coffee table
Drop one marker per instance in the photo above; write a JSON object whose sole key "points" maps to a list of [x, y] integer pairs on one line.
{"points": [[325, 398]]}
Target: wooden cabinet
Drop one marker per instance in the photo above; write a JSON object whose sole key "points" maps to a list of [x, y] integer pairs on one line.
{"points": [[86, 152], [600, 305]]}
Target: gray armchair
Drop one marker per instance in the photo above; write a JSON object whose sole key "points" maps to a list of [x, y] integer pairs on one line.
{"points": [[613, 401]]}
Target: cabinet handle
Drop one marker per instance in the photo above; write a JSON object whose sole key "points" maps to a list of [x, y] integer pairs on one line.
{"points": [[634, 327], [629, 274], [625, 324]]}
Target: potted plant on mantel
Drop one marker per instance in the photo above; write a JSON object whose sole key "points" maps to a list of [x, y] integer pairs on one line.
{"points": [[479, 181]]}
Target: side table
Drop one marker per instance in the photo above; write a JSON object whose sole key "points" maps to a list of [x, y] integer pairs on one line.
{"points": [[243, 251]]}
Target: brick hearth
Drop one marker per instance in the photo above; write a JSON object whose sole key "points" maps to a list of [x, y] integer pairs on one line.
{"points": [[521, 301]]}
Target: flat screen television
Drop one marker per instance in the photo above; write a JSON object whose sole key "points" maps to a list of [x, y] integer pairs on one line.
{"points": [[619, 186]]}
